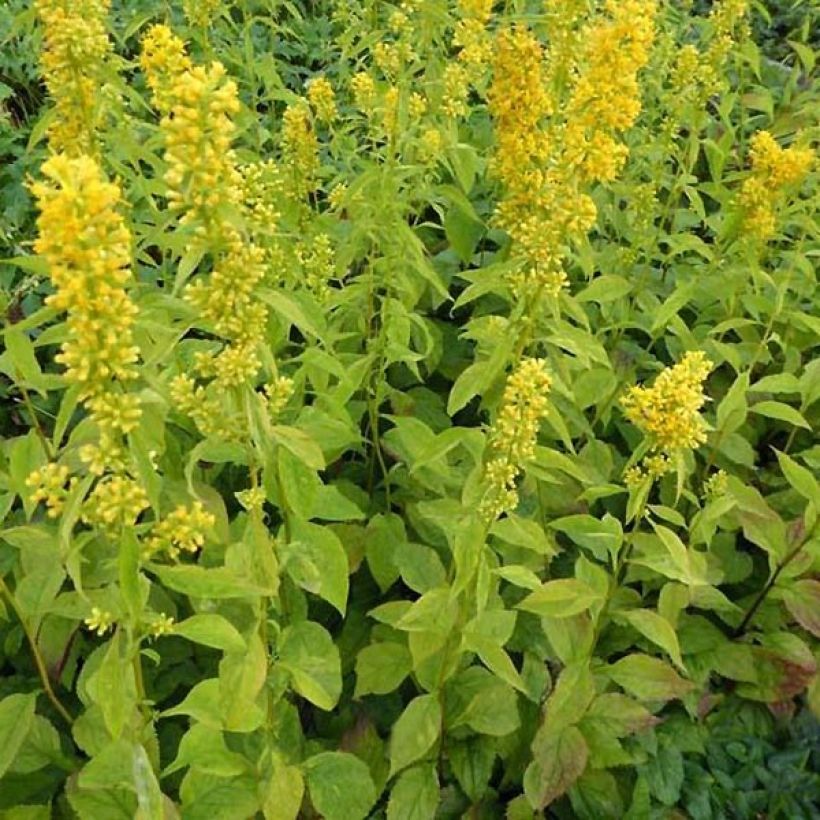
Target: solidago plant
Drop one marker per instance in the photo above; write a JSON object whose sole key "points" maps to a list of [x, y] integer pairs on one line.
{"points": [[410, 409]]}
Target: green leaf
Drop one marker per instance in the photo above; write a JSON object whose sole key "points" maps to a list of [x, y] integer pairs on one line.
{"points": [[415, 795], [210, 629], [800, 478], [560, 599], [732, 410], [606, 288], [307, 651], [802, 599], [16, 719], [204, 747], [648, 678], [205, 797], [381, 667], [560, 758], [340, 786], [320, 546], [522, 532], [665, 775], [482, 701], [300, 444], [602, 536], [781, 412], [658, 630], [472, 761], [415, 732], [282, 793], [199, 582]]}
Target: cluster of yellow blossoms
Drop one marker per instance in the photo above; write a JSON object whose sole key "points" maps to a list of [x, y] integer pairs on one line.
{"points": [[207, 186], [774, 169], [115, 503], [85, 242], [606, 97], [76, 49], [201, 12], [514, 434], [542, 163], [300, 148], [48, 484], [183, 529], [197, 105], [322, 99], [669, 412]]}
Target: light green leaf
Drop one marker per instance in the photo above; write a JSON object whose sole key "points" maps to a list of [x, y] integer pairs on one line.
{"points": [[307, 651], [415, 732], [16, 718], [658, 630], [781, 412], [415, 795], [210, 629], [560, 599], [381, 667], [340, 786], [648, 678]]}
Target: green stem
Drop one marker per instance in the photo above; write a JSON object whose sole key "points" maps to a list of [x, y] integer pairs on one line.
{"points": [[38, 658]]}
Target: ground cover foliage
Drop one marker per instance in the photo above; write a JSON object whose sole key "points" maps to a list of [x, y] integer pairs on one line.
{"points": [[408, 410]]}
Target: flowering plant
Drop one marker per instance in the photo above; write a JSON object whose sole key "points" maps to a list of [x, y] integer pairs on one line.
{"points": [[410, 407]]}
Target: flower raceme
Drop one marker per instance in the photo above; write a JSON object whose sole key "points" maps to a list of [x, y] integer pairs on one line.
{"points": [[669, 411], [84, 241], [76, 50], [774, 170], [514, 434]]}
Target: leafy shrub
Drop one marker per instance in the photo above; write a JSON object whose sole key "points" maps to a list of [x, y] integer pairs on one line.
{"points": [[408, 411]]}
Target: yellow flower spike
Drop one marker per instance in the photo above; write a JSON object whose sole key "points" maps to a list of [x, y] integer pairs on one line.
{"points": [[669, 411], [774, 169], [300, 147], [363, 87], [163, 59], [76, 48], [513, 436], [456, 88], [84, 240], [322, 99]]}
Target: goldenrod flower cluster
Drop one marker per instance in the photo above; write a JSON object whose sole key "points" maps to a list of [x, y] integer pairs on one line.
{"points": [[278, 394], [564, 19], [201, 12], [669, 411], [322, 99], [300, 147], [774, 169], [161, 625], [725, 17], [115, 503], [183, 530], [514, 434], [86, 244], [317, 263], [716, 485], [76, 48], [262, 191], [363, 87], [606, 97], [163, 59], [252, 499], [471, 36], [226, 300], [202, 175], [205, 182], [99, 621], [49, 484]]}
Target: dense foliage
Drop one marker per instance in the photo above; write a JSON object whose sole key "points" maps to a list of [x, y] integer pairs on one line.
{"points": [[408, 409]]}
